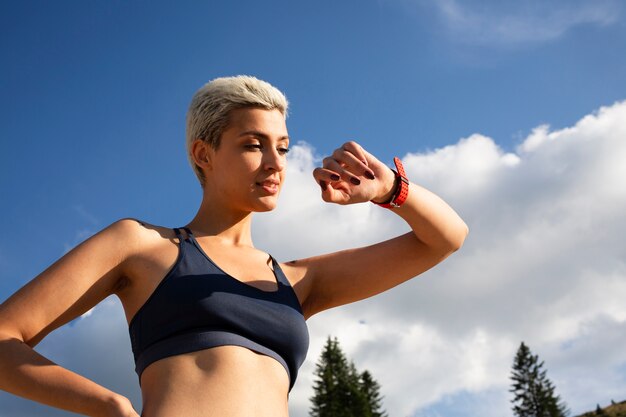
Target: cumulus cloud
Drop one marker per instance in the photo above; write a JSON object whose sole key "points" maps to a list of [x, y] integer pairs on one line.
{"points": [[505, 23], [545, 263]]}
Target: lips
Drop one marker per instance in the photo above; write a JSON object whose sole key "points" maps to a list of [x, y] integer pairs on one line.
{"points": [[270, 185]]}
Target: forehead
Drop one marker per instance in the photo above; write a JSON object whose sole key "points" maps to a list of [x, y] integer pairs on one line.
{"points": [[269, 122]]}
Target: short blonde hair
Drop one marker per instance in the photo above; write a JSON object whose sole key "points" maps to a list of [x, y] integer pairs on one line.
{"points": [[210, 108]]}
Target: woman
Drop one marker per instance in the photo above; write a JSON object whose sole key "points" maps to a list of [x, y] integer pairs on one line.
{"points": [[217, 326]]}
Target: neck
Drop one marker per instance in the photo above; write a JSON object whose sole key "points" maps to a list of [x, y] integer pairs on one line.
{"points": [[215, 219]]}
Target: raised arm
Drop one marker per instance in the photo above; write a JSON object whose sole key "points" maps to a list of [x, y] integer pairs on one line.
{"points": [[68, 288], [343, 277]]}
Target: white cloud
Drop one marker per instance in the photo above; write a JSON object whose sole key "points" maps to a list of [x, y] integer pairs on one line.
{"points": [[505, 23], [544, 263]]}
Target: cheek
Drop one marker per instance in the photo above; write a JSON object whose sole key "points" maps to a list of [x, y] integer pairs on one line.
{"points": [[241, 164], [249, 158]]}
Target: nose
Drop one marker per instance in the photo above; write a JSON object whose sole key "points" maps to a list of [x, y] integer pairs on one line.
{"points": [[274, 160]]}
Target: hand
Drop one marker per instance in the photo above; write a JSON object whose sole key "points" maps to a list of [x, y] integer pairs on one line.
{"points": [[353, 175], [119, 406]]}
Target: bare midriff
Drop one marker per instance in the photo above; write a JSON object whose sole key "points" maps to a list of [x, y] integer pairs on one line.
{"points": [[222, 381]]}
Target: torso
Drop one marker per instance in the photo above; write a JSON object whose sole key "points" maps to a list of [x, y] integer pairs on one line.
{"points": [[226, 380]]}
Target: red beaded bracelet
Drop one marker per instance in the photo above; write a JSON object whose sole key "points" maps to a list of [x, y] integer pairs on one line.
{"points": [[401, 191]]}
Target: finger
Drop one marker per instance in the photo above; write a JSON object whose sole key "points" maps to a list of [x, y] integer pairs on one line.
{"points": [[332, 191], [357, 150], [333, 165], [323, 174], [322, 178], [353, 163], [329, 194], [339, 195], [374, 164]]}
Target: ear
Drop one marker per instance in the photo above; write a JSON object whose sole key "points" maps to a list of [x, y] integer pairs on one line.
{"points": [[202, 154]]}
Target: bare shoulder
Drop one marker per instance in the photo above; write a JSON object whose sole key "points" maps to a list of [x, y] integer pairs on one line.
{"points": [[136, 232], [142, 241], [297, 271], [139, 235]]}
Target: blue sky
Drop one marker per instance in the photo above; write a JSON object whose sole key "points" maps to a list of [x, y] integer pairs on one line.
{"points": [[93, 97]]}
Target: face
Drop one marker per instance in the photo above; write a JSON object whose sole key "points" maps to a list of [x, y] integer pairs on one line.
{"points": [[248, 168]]}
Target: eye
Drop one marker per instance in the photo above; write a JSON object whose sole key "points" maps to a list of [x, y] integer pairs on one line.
{"points": [[253, 146], [283, 151]]}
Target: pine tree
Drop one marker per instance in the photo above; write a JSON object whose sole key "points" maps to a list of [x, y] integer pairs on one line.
{"points": [[534, 392], [356, 400], [340, 391], [371, 388], [335, 387], [600, 411]]}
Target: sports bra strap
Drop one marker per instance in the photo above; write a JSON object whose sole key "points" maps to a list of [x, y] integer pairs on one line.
{"points": [[179, 235], [278, 272]]}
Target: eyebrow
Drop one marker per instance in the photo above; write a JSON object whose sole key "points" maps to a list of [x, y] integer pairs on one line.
{"points": [[260, 135]]}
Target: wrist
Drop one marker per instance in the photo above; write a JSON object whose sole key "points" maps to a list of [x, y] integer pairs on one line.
{"points": [[399, 192], [114, 405], [389, 190]]}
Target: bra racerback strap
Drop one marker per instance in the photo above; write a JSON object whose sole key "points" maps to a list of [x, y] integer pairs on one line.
{"points": [[189, 234], [179, 235], [192, 239]]}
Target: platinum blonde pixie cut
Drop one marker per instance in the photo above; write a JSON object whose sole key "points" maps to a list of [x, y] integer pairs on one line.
{"points": [[209, 111]]}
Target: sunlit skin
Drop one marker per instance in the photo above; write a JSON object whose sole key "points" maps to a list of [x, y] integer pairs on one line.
{"points": [[129, 258], [247, 171]]}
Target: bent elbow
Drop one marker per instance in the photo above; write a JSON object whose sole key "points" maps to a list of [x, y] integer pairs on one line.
{"points": [[464, 233], [459, 237]]}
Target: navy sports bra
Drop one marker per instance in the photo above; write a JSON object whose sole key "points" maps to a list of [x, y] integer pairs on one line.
{"points": [[198, 306]]}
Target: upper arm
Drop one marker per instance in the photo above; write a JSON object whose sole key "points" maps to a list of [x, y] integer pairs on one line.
{"points": [[350, 275], [70, 287]]}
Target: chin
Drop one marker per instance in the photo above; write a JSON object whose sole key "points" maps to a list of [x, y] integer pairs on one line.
{"points": [[264, 206]]}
